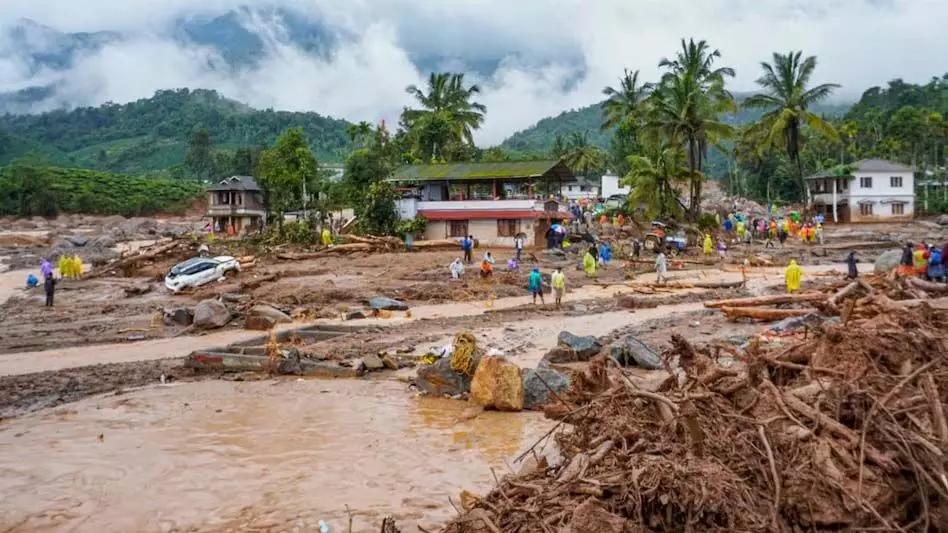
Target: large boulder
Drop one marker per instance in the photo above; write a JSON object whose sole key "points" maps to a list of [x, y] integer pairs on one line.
{"points": [[104, 241], [497, 384], [630, 351], [181, 316], [942, 220], [77, 240], [888, 261], [439, 379], [536, 394], [387, 304], [560, 354], [585, 347], [372, 362], [270, 312], [210, 314], [259, 323]]}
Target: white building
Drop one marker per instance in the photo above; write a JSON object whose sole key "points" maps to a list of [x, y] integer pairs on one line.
{"points": [[611, 187], [584, 188], [873, 190]]}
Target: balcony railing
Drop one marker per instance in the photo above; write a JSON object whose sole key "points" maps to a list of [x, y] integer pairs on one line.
{"points": [[220, 210], [486, 205]]}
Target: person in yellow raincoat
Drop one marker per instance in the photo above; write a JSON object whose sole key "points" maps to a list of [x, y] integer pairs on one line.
{"points": [[708, 245], [741, 228], [589, 263], [920, 260], [63, 266], [77, 264], [792, 276], [326, 237]]}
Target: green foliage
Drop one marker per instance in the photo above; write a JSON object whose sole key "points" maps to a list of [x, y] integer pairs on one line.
{"points": [[583, 158], [153, 134], [415, 226], [377, 214], [47, 191], [707, 222], [287, 172], [442, 129], [652, 178]]}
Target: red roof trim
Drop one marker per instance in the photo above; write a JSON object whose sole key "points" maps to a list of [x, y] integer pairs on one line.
{"points": [[489, 214]]}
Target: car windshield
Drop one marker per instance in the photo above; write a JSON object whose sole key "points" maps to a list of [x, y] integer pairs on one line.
{"points": [[191, 266]]}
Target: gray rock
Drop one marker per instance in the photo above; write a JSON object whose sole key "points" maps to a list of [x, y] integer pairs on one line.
{"points": [[270, 312], [354, 314], [372, 362], [77, 240], [942, 220], [104, 241], [888, 261], [560, 354], [630, 351], [585, 347], [387, 304], [535, 393], [181, 316], [211, 314], [439, 379], [232, 297]]}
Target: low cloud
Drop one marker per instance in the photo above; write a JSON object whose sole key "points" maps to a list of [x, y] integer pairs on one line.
{"points": [[547, 58]]}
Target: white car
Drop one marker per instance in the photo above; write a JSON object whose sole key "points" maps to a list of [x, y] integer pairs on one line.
{"points": [[200, 271]]}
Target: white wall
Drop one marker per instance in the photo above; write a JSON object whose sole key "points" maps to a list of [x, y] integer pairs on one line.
{"points": [[881, 193], [610, 186], [577, 192], [485, 231]]}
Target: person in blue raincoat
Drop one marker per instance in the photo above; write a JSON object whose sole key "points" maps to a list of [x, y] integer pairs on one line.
{"points": [[936, 269]]}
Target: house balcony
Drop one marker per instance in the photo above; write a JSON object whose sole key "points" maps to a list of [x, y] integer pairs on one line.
{"points": [[827, 197], [229, 210], [484, 209]]}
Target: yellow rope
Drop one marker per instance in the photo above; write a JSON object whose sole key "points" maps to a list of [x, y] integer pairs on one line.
{"points": [[462, 360]]}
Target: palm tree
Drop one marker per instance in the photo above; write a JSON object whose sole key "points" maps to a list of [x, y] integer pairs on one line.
{"points": [[652, 178], [359, 133], [624, 103], [558, 149], [787, 99], [686, 105], [582, 157], [447, 115]]}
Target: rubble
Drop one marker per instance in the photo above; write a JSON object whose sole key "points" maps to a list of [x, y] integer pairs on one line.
{"points": [[630, 351], [843, 429]]}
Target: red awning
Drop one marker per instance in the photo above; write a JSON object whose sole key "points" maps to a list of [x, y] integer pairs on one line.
{"points": [[489, 214]]}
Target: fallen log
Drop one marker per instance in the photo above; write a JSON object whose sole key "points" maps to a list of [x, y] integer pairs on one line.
{"points": [[441, 243], [143, 255], [695, 285], [337, 249], [763, 314], [766, 300], [845, 292], [927, 286], [377, 241]]}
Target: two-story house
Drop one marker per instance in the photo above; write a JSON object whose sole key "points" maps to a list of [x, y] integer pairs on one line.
{"points": [[873, 190], [494, 202], [235, 205]]}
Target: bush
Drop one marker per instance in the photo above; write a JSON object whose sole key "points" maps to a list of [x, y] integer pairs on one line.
{"points": [[414, 227], [707, 222]]}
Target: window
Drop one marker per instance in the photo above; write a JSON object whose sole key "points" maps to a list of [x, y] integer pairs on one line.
{"points": [[898, 209], [199, 267], [895, 182], [459, 228], [865, 183], [508, 227], [865, 209], [569, 188], [845, 184]]}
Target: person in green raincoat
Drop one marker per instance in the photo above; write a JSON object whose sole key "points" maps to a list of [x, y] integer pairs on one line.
{"points": [[708, 245], [792, 276], [589, 263]]}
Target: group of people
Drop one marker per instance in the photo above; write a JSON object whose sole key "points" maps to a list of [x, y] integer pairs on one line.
{"points": [[70, 266], [772, 228], [49, 281], [923, 260]]}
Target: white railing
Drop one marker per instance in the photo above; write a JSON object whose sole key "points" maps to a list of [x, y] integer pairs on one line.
{"points": [[487, 205]]}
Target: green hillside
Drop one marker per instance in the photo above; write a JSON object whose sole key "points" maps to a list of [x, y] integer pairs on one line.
{"points": [[539, 138], [28, 191], [152, 134]]}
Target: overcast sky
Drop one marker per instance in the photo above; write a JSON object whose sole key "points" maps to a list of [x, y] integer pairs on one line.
{"points": [[859, 43]]}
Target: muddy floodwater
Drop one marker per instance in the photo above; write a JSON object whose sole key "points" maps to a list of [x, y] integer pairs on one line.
{"points": [[251, 456]]}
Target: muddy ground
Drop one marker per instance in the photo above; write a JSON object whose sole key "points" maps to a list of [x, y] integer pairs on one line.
{"points": [[129, 309]]}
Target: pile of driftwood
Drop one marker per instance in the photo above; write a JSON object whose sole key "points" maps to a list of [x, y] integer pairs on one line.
{"points": [[883, 291], [367, 243], [843, 431]]}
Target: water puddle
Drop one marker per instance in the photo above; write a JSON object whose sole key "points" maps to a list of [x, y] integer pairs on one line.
{"points": [[260, 456]]}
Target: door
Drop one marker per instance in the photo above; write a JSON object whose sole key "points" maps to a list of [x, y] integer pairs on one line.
{"points": [[539, 233]]}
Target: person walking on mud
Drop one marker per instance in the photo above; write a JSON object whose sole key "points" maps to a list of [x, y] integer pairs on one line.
{"points": [[518, 245], [467, 245], [536, 285], [49, 285], [661, 267], [851, 264], [558, 282]]}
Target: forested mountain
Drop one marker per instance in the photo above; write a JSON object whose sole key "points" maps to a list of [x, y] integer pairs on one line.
{"points": [[539, 138], [153, 134]]}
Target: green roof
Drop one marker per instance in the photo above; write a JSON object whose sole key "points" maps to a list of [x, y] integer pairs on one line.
{"points": [[479, 171]]}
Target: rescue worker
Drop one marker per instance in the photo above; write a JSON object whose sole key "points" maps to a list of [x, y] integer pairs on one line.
{"points": [[49, 285], [467, 244], [661, 267], [920, 260], [487, 269], [708, 245], [535, 285], [326, 237], [906, 267], [792, 277], [851, 263], [558, 281], [589, 262], [456, 268]]}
